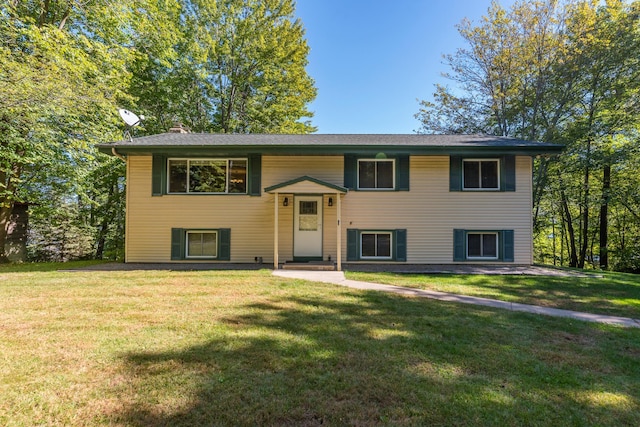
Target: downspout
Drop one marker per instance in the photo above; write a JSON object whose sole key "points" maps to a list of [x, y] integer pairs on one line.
{"points": [[118, 155]]}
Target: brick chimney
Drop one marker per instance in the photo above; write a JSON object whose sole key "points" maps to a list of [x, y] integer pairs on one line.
{"points": [[179, 128]]}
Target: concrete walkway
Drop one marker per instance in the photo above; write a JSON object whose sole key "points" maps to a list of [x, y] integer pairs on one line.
{"points": [[337, 277]]}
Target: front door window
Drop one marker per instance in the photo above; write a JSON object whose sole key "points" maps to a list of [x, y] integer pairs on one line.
{"points": [[308, 220]]}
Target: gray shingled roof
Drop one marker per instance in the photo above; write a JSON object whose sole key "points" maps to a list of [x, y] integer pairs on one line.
{"points": [[314, 144], [212, 139]]}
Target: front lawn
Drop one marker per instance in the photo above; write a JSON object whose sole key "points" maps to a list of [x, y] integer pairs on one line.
{"points": [[245, 348], [616, 294]]}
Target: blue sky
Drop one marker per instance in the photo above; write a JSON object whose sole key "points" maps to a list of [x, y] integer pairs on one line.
{"points": [[371, 60]]}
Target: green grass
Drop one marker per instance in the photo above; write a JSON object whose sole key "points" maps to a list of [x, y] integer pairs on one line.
{"points": [[615, 294], [46, 266], [246, 348]]}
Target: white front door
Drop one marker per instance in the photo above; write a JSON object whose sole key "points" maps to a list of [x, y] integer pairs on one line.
{"points": [[307, 223]]}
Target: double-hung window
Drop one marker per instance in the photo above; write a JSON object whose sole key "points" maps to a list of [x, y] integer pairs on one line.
{"points": [[384, 172], [210, 176], [482, 245], [201, 244], [375, 245], [481, 174], [374, 174]]}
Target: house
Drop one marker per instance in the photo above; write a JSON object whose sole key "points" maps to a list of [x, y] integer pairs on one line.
{"points": [[414, 199]]}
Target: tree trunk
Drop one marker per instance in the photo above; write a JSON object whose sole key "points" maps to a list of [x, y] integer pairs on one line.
{"points": [[6, 209], [101, 238], [585, 210], [538, 189], [6, 203], [104, 225], [571, 237], [604, 217]]}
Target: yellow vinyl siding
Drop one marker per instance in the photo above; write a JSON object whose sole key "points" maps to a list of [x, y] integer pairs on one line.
{"points": [[279, 169], [151, 219], [330, 222], [429, 211], [285, 227]]}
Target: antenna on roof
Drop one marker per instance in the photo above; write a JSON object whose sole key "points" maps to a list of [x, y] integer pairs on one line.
{"points": [[131, 120]]}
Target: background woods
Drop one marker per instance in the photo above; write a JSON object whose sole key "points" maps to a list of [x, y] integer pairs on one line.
{"points": [[555, 71], [66, 66], [564, 72]]}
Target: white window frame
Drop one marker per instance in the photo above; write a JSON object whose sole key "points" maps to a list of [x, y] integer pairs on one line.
{"points": [[389, 233], [186, 243], [227, 178], [495, 233], [480, 177], [393, 175]]}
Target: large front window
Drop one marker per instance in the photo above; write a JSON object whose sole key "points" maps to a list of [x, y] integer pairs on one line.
{"points": [[207, 176], [376, 174], [481, 174]]}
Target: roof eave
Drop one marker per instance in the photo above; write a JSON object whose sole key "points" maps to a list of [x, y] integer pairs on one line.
{"points": [[203, 150]]}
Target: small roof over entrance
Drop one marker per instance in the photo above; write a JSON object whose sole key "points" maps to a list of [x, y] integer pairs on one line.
{"points": [[305, 184]]}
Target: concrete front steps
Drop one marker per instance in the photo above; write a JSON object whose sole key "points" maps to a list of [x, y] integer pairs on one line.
{"points": [[309, 266]]}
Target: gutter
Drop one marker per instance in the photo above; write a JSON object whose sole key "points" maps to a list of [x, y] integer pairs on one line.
{"points": [[332, 150], [118, 155]]}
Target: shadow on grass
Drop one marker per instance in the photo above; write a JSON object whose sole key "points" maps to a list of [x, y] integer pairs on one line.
{"points": [[371, 359], [614, 294]]}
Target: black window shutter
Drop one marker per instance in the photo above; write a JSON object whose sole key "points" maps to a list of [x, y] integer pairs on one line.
{"points": [[158, 175], [508, 173], [255, 174], [352, 244], [507, 246], [455, 173], [401, 245], [402, 172], [350, 171], [224, 244], [458, 245], [177, 243]]}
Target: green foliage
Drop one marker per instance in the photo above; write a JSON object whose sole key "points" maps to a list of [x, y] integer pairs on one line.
{"points": [[59, 91], [59, 234], [235, 66], [66, 66], [567, 73]]}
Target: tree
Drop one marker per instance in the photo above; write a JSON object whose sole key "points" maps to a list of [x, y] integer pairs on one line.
{"points": [[566, 73], [604, 42], [58, 89], [66, 66], [236, 66]]}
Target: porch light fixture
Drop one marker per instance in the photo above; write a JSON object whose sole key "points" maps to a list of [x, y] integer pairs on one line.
{"points": [[330, 201], [285, 202]]}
